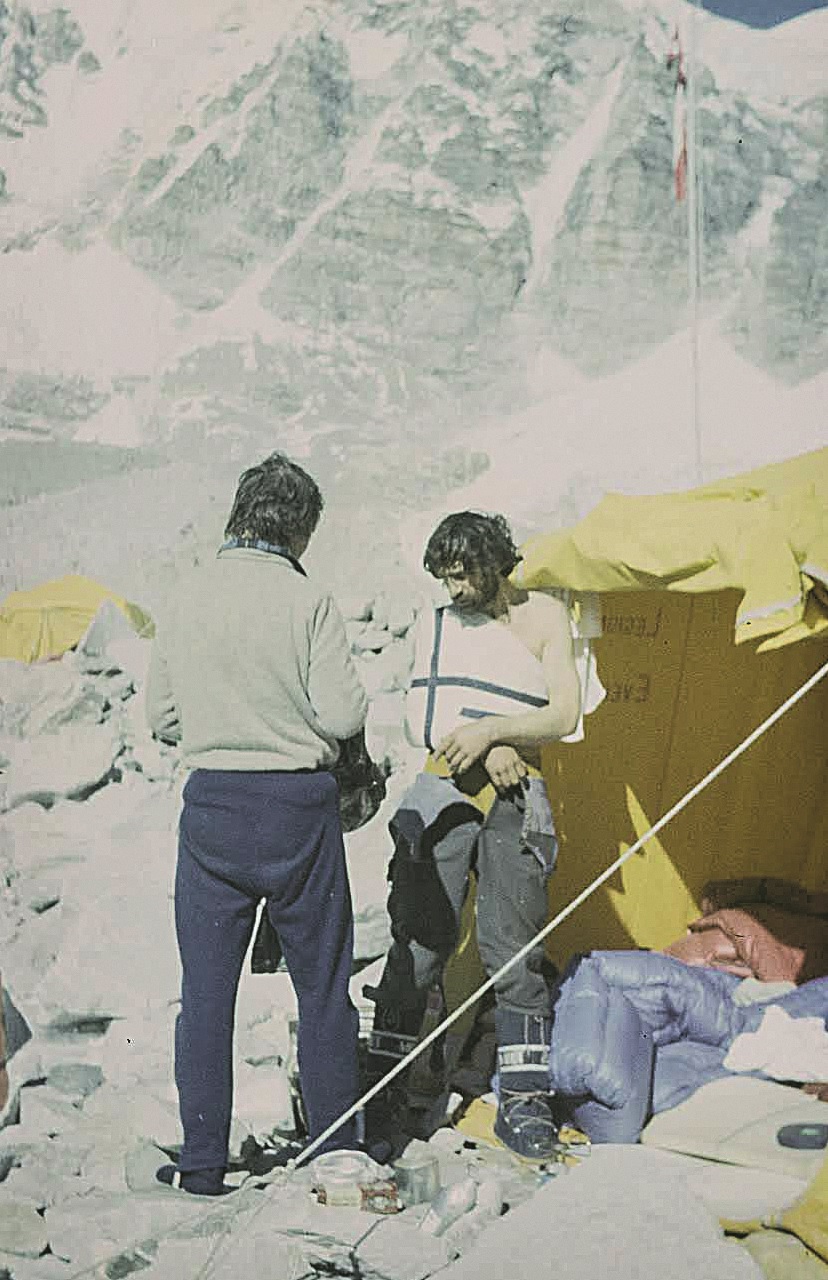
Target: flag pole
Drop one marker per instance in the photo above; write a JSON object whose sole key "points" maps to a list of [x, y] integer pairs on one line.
{"points": [[693, 239]]}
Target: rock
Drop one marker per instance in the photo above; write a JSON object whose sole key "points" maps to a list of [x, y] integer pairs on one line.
{"points": [[773, 319], [28, 1149], [110, 627], [78, 1079], [386, 672], [156, 761], [113, 1117], [45, 1268], [16, 1031], [22, 1069], [394, 613], [262, 1101], [38, 840], [22, 1230], [396, 1249], [370, 639], [65, 765], [176, 1259], [355, 608], [113, 961], [92, 1228], [43, 1185], [48, 1112], [40, 896], [617, 1204], [246, 1251], [289, 1208], [372, 932], [43, 697], [131, 654]]}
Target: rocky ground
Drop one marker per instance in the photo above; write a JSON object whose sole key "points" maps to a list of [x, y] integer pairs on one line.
{"points": [[87, 843], [433, 252]]}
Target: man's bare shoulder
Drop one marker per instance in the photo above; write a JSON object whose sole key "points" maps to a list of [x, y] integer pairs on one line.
{"points": [[539, 620], [544, 602], [546, 611]]}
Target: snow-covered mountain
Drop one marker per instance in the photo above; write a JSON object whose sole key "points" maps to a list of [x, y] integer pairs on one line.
{"points": [[220, 214], [432, 249]]}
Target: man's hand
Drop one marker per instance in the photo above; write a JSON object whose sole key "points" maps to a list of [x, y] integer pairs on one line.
{"points": [[464, 745], [505, 768]]}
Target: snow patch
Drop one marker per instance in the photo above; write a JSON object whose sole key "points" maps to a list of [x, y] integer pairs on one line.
{"points": [[487, 39], [373, 54], [87, 312], [546, 202]]}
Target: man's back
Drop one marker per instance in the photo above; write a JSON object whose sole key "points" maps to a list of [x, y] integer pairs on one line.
{"points": [[256, 661]]}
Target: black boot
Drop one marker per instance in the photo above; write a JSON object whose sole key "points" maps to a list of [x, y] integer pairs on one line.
{"points": [[398, 1012], [525, 1122]]}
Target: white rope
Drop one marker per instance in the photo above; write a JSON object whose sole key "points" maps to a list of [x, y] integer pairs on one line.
{"points": [[567, 911]]}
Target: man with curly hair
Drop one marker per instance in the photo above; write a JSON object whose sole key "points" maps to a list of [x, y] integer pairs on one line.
{"points": [[494, 680]]}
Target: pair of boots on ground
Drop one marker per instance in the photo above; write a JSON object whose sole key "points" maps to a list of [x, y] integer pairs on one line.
{"points": [[525, 1120]]}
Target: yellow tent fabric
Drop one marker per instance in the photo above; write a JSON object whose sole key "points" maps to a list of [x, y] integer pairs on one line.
{"points": [[681, 577], [52, 618], [807, 1218], [680, 697], [764, 533]]}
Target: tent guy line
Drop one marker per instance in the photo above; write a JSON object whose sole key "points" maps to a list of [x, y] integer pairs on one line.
{"points": [[242, 1201], [566, 911]]}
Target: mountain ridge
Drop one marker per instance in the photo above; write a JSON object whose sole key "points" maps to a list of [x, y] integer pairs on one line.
{"points": [[372, 212]]}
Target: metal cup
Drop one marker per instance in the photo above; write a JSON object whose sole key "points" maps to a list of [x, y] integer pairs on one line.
{"points": [[417, 1177]]}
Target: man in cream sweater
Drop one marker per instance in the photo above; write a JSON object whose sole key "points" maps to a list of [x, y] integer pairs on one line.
{"points": [[252, 674]]}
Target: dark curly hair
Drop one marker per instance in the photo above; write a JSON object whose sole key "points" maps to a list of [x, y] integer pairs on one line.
{"points": [[276, 501], [478, 542]]}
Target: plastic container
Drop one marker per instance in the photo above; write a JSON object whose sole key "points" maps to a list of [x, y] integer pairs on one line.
{"points": [[448, 1205], [353, 1179]]}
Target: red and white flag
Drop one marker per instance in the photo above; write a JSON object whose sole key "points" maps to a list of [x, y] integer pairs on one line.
{"points": [[675, 58]]}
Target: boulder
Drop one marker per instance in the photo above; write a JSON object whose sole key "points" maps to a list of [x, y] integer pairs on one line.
{"points": [[262, 1101], [93, 1228], [618, 1204], [69, 764], [22, 1230], [370, 639], [43, 697], [397, 1250], [394, 612]]}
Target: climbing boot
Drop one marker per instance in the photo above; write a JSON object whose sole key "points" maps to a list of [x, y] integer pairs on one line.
{"points": [[399, 1007], [525, 1121]]}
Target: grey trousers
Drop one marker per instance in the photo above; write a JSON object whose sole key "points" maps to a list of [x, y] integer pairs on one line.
{"points": [[511, 903]]}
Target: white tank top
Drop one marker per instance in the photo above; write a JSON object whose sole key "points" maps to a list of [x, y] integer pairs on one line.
{"points": [[467, 666]]}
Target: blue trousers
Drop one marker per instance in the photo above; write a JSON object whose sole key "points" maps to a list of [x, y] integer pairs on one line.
{"points": [[244, 836]]}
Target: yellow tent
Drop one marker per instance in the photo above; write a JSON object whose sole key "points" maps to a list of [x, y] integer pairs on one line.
{"points": [[714, 605], [52, 618]]}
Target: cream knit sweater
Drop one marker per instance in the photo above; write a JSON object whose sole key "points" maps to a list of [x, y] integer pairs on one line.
{"points": [[252, 668]]}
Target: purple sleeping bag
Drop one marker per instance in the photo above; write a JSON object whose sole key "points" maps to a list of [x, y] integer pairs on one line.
{"points": [[612, 1012]]}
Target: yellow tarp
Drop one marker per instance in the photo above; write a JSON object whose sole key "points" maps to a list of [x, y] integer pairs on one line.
{"points": [[680, 697], [764, 534], [807, 1218], [679, 577], [52, 618]]}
